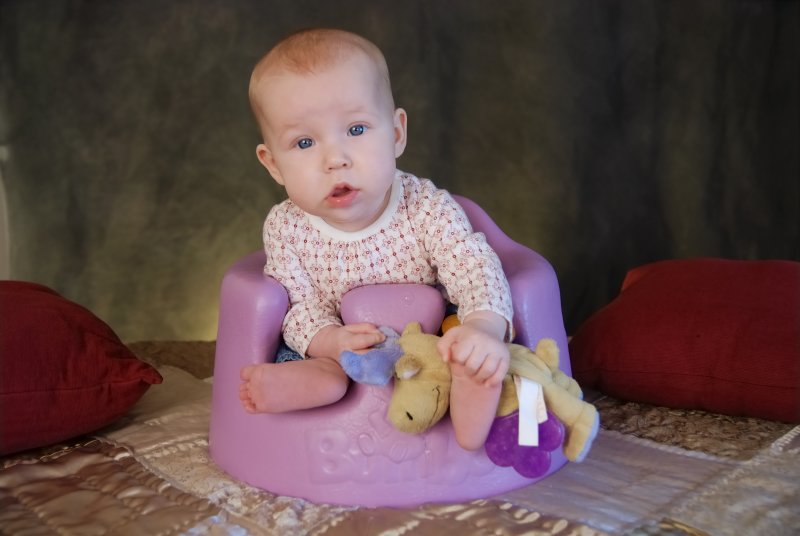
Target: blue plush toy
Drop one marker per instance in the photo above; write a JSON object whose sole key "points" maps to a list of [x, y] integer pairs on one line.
{"points": [[376, 366]]}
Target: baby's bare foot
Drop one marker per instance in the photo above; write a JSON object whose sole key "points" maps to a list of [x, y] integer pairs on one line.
{"points": [[280, 387], [254, 387], [244, 397]]}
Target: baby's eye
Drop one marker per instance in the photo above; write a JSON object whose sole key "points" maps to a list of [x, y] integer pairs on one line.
{"points": [[305, 143], [357, 130]]}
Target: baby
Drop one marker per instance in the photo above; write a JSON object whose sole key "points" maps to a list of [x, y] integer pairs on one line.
{"points": [[331, 136]]}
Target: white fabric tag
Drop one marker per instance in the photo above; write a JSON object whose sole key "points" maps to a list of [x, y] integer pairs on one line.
{"points": [[532, 410], [541, 409]]}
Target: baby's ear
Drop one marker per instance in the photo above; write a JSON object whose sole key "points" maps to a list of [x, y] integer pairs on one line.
{"points": [[400, 131], [268, 161]]}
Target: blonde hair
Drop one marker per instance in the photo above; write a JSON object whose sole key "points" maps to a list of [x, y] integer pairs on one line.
{"points": [[308, 51]]}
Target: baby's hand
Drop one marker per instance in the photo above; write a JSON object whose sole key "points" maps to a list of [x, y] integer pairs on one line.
{"points": [[477, 351], [331, 341]]}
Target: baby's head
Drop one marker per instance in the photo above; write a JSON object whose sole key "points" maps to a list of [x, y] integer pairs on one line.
{"points": [[307, 52], [331, 133]]}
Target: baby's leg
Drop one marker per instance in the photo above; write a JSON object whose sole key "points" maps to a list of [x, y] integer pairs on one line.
{"points": [[473, 407], [279, 387]]}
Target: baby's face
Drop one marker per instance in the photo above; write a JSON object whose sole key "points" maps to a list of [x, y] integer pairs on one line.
{"points": [[331, 138]]}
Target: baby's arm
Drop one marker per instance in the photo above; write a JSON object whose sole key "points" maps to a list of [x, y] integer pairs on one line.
{"points": [[472, 274], [479, 360], [332, 340], [479, 345]]}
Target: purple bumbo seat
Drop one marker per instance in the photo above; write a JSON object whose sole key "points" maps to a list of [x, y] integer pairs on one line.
{"points": [[348, 453]]}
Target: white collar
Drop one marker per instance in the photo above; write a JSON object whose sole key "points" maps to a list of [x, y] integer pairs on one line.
{"points": [[382, 221]]}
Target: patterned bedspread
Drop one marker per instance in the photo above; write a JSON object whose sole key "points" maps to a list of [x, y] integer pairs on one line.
{"points": [[651, 471]]}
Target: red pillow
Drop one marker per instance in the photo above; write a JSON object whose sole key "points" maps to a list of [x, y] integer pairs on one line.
{"points": [[63, 371], [711, 334]]}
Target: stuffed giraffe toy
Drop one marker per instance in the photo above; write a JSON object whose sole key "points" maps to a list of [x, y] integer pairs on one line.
{"points": [[421, 393]]}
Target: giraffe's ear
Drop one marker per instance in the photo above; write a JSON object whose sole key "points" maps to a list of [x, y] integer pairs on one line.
{"points": [[407, 367], [412, 327]]}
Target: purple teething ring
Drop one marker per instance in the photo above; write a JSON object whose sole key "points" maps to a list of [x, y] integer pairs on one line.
{"points": [[503, 449]]}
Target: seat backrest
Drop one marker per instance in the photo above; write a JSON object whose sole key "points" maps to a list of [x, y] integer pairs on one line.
{"points": [[481, 222]]}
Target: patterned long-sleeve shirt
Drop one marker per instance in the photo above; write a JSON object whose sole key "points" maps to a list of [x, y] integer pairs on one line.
{"points": [[423, 236]]}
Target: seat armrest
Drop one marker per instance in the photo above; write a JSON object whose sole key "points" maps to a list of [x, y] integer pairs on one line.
{"points": [[536, 299], [534, 286], [251, 312]]}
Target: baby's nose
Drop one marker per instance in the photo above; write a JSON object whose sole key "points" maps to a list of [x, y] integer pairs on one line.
{"points": [[336, 158]]}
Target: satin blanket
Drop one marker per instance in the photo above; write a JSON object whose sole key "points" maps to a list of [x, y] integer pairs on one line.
{"points": [[151, 474]]}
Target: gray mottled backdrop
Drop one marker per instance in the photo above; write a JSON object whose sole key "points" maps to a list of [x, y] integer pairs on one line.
{"points": [[602, 134]]}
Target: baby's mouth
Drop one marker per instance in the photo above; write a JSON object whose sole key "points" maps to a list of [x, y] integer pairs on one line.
{"points": [[342, 195], [340, 191]]}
